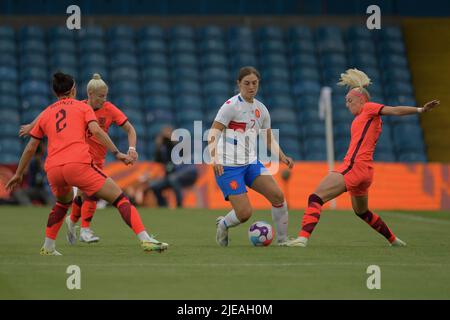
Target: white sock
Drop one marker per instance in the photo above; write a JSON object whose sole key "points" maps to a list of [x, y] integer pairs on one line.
{"points": [[143, 236], [280, 217], [84, 229], [49, 244], [230, 220]]}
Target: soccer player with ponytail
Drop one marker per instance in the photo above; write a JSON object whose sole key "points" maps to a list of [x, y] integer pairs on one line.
{"points": [[356, 173]]}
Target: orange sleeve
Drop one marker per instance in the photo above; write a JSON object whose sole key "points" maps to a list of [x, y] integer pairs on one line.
{"points": [[119, 118], [37, 131], [373, 109], [89, 115]]}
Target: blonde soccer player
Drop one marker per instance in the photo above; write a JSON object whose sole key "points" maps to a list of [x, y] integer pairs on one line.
{"points": [[356, 173], [235, 161]]}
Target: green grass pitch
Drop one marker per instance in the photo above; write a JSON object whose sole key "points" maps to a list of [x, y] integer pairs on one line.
{"points": [[334, 266]]}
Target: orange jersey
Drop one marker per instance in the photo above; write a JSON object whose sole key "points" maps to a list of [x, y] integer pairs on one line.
{"points": [[365, 130], [64, 123], [106, 115]]}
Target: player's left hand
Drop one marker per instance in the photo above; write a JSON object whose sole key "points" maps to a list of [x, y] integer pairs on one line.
{"points": [[430, 105], [133, 155], [24, 130], [14, 181], [288, 161]]}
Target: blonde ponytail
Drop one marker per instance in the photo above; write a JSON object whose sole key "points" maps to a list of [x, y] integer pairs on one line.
{"points": [[355, 79]]}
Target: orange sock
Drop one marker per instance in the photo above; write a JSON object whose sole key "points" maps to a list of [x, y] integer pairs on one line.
{"points": [[87, 212], [129, 214], [373, 220], [311, 216], [55, 219], [75, 213]]}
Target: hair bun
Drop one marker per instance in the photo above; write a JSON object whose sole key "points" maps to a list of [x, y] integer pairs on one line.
{"points": [[96, 76]]}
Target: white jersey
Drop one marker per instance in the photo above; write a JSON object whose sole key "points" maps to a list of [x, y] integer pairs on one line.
{"points": [[243, 121]]}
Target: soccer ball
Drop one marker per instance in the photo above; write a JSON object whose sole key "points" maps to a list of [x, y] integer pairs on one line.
{"points": [[260, 234]]}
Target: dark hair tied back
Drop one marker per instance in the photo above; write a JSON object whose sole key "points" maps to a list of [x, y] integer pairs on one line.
{"points": [[62, 83]]}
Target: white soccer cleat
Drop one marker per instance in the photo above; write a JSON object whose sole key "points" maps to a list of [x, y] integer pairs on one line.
{"points": [[296, 242], [154, 245], [398, 243], [87, 235], [71, 235], [46, 252], [221, 233]]}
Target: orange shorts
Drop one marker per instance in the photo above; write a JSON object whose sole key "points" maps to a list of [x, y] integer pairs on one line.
{"points": [[86, 177], [358, 177]]}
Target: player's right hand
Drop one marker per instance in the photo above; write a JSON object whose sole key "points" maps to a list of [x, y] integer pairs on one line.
{"points": [[14, 181], [24, 130], [124, 158], [430, 105], [218, 169]]}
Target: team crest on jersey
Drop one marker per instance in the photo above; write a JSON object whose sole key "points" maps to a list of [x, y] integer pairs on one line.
{"points": [[228, 102], [234, 185], [102, 121], [257, 113]]}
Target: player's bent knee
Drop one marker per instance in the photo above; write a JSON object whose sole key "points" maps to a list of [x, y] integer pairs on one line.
{"points": [[244, 214]]}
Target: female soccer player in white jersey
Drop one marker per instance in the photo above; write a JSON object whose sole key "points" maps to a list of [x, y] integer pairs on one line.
{"points": [[235, 161]]}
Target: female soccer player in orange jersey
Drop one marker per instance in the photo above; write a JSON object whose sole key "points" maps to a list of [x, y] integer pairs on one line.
{"points": [[356, 173], [84, 206], [69, 163]]}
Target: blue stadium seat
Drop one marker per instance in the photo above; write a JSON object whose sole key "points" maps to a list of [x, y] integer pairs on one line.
{"points": [[31, 32], [90, 46], [128, 102], [276, 74], [328, 32], [341, 114], [64, 60], [9, 158], [399, 88], [216, 87], [304, 60], [271, 32], [359, 33], [408, 137], [342, 130], [187, 87], [362, 46], [283, 115], [134, 115], [412, 157], [8, 88], [91, 32], [124, 85], [277, 86], [34, 87], [390, 33], [36, 101], [240, 32], [184, 59], [159, 115], [183, 46], [388, 61], [151, 73], [212, 45], [88, 71], [11, 115], [214, 102], [384, 156], [62, 46], [300, 32], [210, 32], [239, 60], [125, 73], [186, 73], [362, 61], [190, 115], [331, 45], [214, 60], [309, 115], [151, 32], [279, 101], [7, 59], [216, 74], [306, 87], [305, 74], [7, 32], [154, 58], [179, 32], [33, 46], [316, 144], [393, 46], [9, 129], [7, 46], [32, 73], [302, 46], [273, 60], [152, 45], [241, 47], [333, 60], [122, 46], [120, 32], [310, 130], [384, 143], [272, 46], [156, 86], [396, 74], [60, 33], [10, 145], [123, 60], [33, 60], [93, 59], [158, 102], [331, 75], [29, 115]]}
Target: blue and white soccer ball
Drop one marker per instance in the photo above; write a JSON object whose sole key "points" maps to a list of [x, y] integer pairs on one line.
{"points": [[260, 234]]}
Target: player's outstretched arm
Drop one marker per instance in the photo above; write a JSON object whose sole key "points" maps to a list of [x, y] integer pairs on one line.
{"points": [[403, 110], [25, 159], [105, 140], [25, 129], [132, 140]]}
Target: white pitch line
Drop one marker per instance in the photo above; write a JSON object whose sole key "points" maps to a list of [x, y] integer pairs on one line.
{"points": [[410, 216]]}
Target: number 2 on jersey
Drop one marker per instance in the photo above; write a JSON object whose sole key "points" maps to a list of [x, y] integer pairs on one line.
{"points": [[61, 120]]}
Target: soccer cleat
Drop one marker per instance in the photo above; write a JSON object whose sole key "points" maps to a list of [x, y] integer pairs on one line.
{"points": [[296, 242], [221, 233], [87, 235], [282, 243], [45, 252], [398, 243], [71, 235], [154, 245]]}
